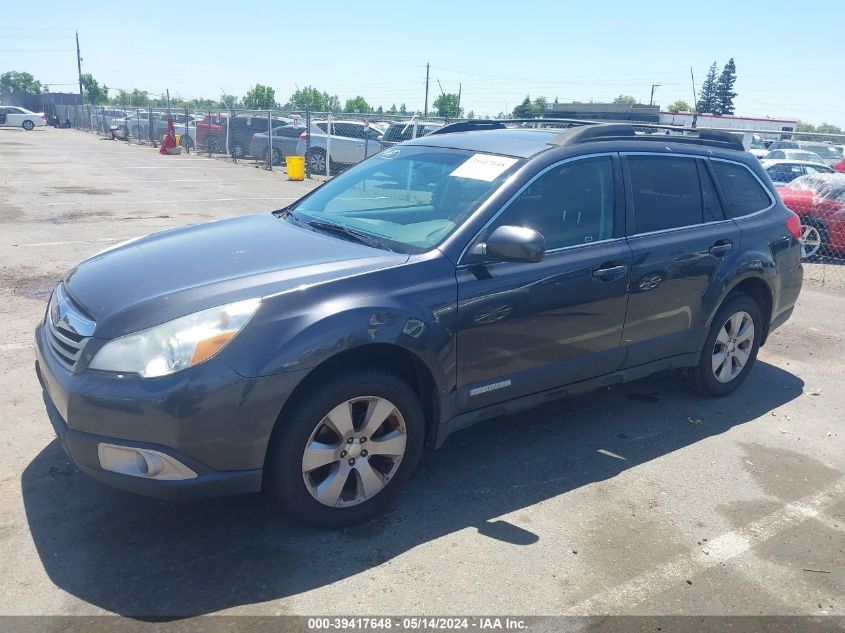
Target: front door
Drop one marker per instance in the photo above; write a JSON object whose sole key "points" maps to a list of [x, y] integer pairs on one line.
{"points": [[681, 243], [527, 327]]}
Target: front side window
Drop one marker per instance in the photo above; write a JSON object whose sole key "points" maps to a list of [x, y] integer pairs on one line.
{"points": [[743, 192], [570, 204], [666, 192], [409, 198]]}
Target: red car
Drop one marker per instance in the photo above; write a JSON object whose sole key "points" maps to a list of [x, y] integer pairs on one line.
{"points": [[819, 200], [209, 129], [840, 166]]}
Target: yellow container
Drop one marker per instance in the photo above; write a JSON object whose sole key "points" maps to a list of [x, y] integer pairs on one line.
{"points": [[296, 167], [178, 138]]}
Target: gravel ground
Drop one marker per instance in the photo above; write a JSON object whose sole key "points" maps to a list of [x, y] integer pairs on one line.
{"points": [[641, 499]]}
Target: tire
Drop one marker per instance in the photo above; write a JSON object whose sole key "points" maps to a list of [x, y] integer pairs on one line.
{"points": [[136, 131], [317, 160], [815, 238], [277, 157], [28, 125], [238, 150], [296, 484], [735, 348], [212, 144], [187, 142]]}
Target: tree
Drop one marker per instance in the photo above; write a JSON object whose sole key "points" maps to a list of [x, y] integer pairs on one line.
{"points": [[680, 106], [260, 98], [93, 91], [23, 82], [530, 109], [358, 104], [625, 100], [403, 110], [446, 105], [707, 95], [309, 98], [725, 94], [230, 101]]}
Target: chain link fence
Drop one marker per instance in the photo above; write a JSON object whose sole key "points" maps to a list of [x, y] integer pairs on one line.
{"points": [[808, 169]]}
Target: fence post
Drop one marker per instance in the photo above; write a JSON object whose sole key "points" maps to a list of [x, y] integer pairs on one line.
{"points": [[307, 143], [207, 130], [270, 139], [328, 144]]}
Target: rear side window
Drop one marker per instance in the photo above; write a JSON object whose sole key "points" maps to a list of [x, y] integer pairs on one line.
{"points": [[666, 191], [743, 192]]}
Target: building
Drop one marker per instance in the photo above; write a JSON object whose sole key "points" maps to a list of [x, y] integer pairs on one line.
{"points": [[638, 112], [766, 127]]}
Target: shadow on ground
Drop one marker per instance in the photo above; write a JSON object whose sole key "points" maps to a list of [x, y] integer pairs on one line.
{"points": [[140, 557]]}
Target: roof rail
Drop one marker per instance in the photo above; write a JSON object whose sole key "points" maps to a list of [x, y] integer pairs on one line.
{"points": [[500, 124], [627, 131], [584, 131]]}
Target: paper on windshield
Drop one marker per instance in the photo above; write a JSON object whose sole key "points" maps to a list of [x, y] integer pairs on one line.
{"points": [[485, 167]]}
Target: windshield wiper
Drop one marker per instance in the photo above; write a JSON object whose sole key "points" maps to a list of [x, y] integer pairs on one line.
{"points": [[357, 236]]}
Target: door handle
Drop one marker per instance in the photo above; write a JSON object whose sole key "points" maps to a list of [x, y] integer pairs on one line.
{"points": [[610, 271], [721, 247]]}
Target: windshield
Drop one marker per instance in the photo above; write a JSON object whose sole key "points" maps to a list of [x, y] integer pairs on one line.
{"points": [[413, 197], [801, 155], [832, 186]]}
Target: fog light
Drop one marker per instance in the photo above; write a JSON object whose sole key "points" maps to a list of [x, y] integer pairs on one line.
{"points": [[142, 462]]}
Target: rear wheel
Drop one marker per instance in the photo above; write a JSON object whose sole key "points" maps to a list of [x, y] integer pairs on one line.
{"points": [[341, 455], [730, 349], [237, 149], [212, 144], [317, 160], [277, 156], [814, 238], [28, 125]]}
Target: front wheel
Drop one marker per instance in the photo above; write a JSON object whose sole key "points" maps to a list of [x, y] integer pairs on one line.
{"points": [[317, 161], [730, 348], [28, 125], [342, 454], [814, 238]]}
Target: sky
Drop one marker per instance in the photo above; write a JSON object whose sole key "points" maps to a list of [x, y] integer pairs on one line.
{"points": [[789, 62]]}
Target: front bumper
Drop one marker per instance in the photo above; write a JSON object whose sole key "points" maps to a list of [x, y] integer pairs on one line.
{"points": [[211, 419]]}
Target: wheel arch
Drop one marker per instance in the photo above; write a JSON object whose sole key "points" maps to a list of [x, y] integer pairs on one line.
{"points": [[756, 287], [389, 356]]}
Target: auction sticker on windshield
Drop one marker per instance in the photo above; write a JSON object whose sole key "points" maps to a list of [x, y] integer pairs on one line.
{"points": [[483, 167]]}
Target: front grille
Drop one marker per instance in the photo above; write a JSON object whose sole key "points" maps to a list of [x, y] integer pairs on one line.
{"points": [[68, 330]]}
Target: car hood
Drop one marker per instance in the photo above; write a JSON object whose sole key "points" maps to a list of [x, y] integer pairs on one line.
{"points": [[166, 275]]}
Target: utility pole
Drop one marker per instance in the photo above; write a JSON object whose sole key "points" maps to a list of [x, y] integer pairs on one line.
{"points": [[694, 99], [458, 113], [425, 111], [653, 88], [79, 65], [168, 101]]}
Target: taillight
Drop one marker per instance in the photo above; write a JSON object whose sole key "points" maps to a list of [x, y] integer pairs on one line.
{"points": [[793, 225], [303, 136], [253, 138]]}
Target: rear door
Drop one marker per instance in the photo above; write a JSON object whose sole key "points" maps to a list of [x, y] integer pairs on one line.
{"points": [[682, 244], [3, 116], [528, 327]]}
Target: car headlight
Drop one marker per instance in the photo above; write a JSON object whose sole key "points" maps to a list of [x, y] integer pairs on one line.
{"points": [[175, 345]]}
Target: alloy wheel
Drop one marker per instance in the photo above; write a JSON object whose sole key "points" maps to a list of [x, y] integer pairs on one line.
{"points": [[733, 346], [811, 241], [354, 451]]}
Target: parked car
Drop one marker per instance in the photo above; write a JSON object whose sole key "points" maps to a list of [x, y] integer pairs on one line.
{"points": [[208, 132], [103, 118], [285, 139], [819, 201], [794, 154], [241, 129], [13, 116], [407, 130], [759, 146], [829, 153], [351, 142], [135, 124], [840, 166], [785, 171], [314, 351]]}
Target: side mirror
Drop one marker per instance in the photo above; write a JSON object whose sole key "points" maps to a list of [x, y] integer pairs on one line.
{"points": [[514, 244]]}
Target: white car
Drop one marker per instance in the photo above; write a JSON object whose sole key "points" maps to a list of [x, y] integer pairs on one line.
{"points": [[13, 116], [794, 154], [351, 142], [783, 172]]}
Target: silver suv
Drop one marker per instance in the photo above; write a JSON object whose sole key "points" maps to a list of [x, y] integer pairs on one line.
{"points": [[350, 142]]}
